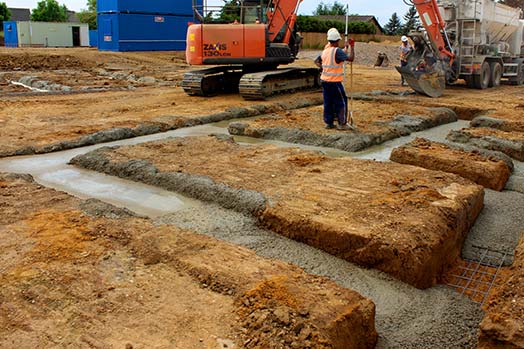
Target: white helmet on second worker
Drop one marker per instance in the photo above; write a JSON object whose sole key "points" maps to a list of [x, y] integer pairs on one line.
{"points": [[404, 38], [333, 35]]}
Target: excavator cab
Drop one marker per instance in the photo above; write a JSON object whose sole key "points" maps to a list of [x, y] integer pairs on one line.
{"points": [[253, 11]]}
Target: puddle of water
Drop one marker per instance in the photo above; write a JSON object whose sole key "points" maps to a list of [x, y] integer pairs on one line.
{"points": [[139, 198]]}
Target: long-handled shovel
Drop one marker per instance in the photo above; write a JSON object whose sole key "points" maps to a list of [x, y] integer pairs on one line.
{"points": [[349, 111]]}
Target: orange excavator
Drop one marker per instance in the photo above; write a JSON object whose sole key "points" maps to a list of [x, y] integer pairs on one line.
{"points": [[246, 53]]}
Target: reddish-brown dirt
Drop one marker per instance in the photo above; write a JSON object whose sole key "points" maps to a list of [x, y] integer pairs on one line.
{"points": [[367, 116], [488, 172], [406, 221], [47, 119], [72, 277], [503, 326]]}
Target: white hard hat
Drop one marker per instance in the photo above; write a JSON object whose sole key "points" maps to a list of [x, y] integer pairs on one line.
{"points": [[404, 38], [333, 35]]}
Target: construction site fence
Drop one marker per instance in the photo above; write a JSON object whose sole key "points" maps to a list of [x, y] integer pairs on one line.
{"points": [[318, 40]]}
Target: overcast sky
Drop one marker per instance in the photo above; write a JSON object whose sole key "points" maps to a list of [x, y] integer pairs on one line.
{"points": [[381, 9]]}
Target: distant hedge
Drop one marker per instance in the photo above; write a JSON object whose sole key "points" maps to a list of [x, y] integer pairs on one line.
{"points": [[310, 24]]}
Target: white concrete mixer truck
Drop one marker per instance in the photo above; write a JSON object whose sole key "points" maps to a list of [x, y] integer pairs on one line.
{"points": [[480, 41]]}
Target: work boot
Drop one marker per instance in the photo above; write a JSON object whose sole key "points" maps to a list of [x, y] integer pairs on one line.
{"points": [[345, 127], [330, 126]]}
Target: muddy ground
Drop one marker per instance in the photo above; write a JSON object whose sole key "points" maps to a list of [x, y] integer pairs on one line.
{"points": [[99, 97]]}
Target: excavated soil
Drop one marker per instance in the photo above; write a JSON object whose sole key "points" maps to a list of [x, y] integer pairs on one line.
{"points": [[375, 122], [38, 128], [503, 326], [489, 172], [138, 93], [509, 143], [84, 274], [85, 69], [406, 221]]}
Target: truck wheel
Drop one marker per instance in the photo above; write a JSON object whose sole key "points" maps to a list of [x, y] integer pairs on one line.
{"points": [[496, 74], [520, 77], [482, 80]]}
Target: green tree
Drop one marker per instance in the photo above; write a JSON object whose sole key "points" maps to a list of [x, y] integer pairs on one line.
{"points": [[310, 24], [393, 26], [230, 12], [89, 15], [5, 14], [49, 11], [330, 9], [411, 21]]}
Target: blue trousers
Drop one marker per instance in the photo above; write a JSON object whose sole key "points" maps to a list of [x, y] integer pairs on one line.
{"points": [[335, 103]]}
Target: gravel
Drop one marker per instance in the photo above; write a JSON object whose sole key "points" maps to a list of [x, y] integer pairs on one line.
{"points": [[499, 225], [406, 317]]}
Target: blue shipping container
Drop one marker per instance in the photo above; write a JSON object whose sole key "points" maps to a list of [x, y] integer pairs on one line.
{"points": [[172, 7], [141, 32], [93, 38], [10, 34]]}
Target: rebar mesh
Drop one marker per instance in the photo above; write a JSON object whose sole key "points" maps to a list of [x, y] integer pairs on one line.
{"points": [[476, 278]]}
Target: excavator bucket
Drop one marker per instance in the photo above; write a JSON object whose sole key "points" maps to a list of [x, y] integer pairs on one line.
{"points": [[429, 81]]}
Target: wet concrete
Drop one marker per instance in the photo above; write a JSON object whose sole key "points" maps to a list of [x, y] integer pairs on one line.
{"points": [[406, 317], [401, 125], [516, 181], [382, 152], [51, 170]]}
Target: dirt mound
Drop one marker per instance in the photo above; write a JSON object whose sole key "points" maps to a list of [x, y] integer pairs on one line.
{"points": [[488, 172], [27, 61]]}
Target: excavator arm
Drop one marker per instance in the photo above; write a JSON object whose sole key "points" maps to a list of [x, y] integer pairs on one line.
{"points": [[282, 16], [435, 27], [430, 63]]}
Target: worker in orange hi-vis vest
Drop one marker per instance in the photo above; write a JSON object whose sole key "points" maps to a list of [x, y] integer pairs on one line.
{"points": [[332, 63]]}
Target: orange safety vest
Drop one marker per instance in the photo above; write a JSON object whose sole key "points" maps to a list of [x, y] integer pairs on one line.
{"points": [[331, 70]]}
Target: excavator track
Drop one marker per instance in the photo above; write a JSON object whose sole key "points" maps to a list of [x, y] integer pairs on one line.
{"points": [[261, 85], [212, 81]]}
